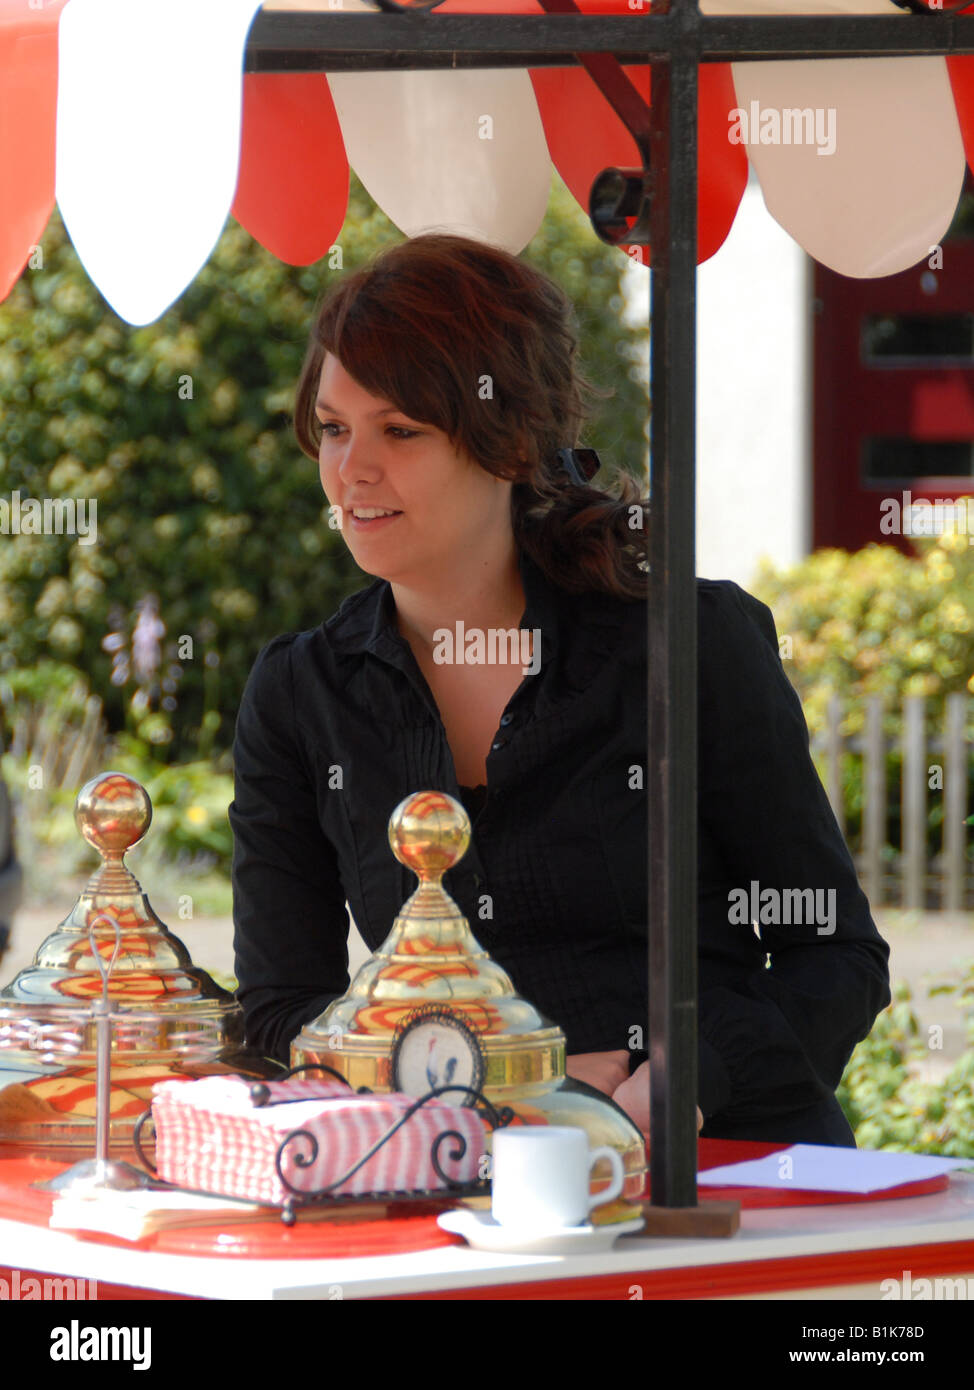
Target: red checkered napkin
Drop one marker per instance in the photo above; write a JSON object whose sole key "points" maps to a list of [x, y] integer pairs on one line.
{"points": [[211, 1137]]}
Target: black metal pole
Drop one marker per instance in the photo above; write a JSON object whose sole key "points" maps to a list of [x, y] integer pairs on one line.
{"points": [[672, 620]]}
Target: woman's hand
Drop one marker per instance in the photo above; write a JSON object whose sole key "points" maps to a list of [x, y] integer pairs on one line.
{"points": [[606, 1071], [633, 1096]]}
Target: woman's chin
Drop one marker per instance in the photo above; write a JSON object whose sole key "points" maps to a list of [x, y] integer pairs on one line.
{"points": [[371, 560]]}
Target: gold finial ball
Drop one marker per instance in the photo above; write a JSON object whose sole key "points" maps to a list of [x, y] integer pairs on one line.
{"points": [[112, 812], [429, 832]]}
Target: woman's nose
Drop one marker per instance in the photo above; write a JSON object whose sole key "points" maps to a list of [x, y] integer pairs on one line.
{"points": [[355, 464]]}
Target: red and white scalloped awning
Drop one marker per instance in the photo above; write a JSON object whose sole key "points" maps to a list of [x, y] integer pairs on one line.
{"points": [[137, 117]]}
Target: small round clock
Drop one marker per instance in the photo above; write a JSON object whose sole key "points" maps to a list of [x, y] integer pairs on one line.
{"points": [[433, 1047]]}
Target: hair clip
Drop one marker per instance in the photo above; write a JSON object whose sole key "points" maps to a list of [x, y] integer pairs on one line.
{"points": [[581, 465]]}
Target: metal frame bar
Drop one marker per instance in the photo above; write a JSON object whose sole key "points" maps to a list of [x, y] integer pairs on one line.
{"points": [[674, 38], [299, 41]]}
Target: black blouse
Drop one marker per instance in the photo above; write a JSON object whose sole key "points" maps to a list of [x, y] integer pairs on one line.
{"points": [[337, 725], [473, 799]]}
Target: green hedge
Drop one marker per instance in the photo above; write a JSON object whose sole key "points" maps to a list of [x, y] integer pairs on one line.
{"points": [[888, 1105], [878, 622]]}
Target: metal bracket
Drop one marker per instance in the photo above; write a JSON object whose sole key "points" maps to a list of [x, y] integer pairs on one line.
{"points": [[618, 202]]}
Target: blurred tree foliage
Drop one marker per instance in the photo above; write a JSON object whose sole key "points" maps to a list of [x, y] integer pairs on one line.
{"points": [[208, 514]]}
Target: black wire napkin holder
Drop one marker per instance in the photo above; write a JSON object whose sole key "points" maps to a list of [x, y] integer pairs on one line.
{"points": [[307, 1149]]}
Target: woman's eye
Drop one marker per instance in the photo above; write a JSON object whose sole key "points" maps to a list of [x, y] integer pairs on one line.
{"points": [[399, 431]]}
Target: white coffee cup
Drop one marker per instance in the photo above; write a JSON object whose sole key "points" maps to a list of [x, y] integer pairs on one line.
{"points": [[541, 1174]]}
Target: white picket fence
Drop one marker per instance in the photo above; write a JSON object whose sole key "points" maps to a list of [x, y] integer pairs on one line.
{"points": [[935, 764]]}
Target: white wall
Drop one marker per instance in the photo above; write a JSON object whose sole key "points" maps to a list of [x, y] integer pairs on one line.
{"points": [[753, 392]]}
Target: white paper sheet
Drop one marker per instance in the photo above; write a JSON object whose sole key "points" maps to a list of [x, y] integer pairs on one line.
{"points": [[824, 1168]]}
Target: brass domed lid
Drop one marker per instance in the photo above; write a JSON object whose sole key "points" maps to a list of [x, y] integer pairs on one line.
{"points": [[153, 969], [430, 1011], [169, 1019], [431, 965]]}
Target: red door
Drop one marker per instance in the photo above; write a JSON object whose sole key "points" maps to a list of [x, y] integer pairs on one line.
{"points": [[893, 390]]}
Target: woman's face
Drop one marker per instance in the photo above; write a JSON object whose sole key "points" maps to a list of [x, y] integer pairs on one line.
{"points": [[447, 509]]}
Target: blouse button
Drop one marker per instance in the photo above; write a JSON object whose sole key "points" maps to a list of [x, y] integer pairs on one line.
{"points": [[506, 719], [499, 743]]}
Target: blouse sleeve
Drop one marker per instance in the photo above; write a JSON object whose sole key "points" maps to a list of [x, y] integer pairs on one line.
{"points": [[777, 1039], [290, 920]]}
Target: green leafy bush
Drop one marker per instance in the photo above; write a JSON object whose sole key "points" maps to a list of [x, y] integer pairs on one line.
{"points": [[877, 622], [56, 743], [889, 1106]]}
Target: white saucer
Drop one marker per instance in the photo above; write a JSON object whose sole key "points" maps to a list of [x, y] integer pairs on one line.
{"points": [[482, 1232]]}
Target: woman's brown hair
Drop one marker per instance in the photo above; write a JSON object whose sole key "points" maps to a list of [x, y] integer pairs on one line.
{"points": [[466, 337]]}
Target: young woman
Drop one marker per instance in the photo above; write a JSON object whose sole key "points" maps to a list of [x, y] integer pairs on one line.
{"points": [[439, 387]]}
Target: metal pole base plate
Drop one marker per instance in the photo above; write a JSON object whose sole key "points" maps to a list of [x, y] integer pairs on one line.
{"points": [[97, 1175], [697, 1223]]}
